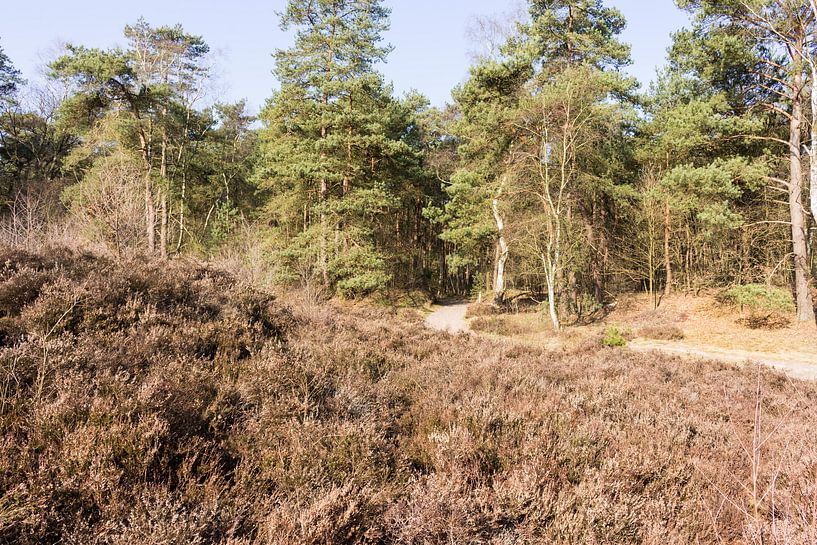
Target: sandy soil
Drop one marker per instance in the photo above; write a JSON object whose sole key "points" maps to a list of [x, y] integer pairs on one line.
{"points": [[710, 333], [795, 364], [449, 317]]}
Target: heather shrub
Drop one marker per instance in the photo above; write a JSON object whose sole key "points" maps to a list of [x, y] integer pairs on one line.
{"points": [[156, 403], [482, 310], [662, 333], [504, 325]]}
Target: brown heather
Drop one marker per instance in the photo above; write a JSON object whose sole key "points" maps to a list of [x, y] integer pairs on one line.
{"points": [[156, 404]]}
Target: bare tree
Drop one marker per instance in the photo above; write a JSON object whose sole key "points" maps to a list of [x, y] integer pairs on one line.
{"points": [[488, 33]]}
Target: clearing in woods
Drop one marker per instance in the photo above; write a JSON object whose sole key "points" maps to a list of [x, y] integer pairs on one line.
{"points": [[451, 316]]}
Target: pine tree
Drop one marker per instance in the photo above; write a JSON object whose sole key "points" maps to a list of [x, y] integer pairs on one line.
{"points": [[336, 148], [10, 78], [776, 39]]}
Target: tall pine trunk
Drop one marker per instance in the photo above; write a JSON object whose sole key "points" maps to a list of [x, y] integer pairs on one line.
{"points": [[805, 308], [163, 213], [667, 256], [150, 214], [150, 207]]}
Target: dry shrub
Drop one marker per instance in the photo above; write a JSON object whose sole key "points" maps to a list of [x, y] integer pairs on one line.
{"points": [[152, 403], [662, 333], [482, 310], [771, 321], [503, 325]]}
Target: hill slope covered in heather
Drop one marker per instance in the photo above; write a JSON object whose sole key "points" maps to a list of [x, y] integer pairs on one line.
{"points": [[151, 403]]}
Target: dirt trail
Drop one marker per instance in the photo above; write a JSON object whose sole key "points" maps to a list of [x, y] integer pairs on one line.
{"points": [[449, 317], [794, 364]]}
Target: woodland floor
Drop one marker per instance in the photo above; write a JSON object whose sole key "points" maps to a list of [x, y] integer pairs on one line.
{"points": [[687, 326]]}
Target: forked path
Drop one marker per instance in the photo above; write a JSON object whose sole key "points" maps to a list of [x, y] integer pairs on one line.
{"points": [[449, 317]]}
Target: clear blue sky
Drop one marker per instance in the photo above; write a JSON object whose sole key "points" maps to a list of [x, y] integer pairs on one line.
{"points": [[431, 47]]}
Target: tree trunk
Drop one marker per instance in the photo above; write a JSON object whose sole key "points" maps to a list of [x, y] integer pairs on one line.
{"points": [[604, 256], [348, 174], [181, 210], [551, 282], [502, 250], [150, 214], [813, 154], [667, 257], [163, 225], [596, 243], [165, 188], [150, 207], [805, 308], [813, 158], [324, 190], [324, 266]]}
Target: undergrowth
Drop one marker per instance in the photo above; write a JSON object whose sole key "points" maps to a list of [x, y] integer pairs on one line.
{"points": [[148, 403]]}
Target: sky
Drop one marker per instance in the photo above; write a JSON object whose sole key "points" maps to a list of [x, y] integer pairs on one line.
{"points": [[431, 44]]}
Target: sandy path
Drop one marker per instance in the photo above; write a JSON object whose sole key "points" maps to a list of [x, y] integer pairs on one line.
{"points": [[449, 317], [794, 364]]}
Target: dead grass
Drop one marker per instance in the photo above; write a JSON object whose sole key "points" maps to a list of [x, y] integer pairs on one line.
{"points": [[700, 322], [705, 322], [662, 333], [146, 403]]}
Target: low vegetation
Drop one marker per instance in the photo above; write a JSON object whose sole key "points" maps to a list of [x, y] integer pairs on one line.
{"points": [[614, 337], [662, 333], [147, 404]]}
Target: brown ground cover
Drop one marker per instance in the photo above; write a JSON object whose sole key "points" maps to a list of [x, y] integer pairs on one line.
{"points": [[146, 403]]}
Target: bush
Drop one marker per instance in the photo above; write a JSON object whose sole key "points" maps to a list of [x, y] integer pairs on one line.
{"points": [[769, 307], [662, 333], [481, 310], [614, 337], [759, 298]]}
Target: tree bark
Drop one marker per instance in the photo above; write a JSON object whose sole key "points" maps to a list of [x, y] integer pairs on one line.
{"points": [[150, 207], [502, 249], [150, 214], [667, 256], [813, 148], [324, 189], [165, 188], [805, 307], [551, 276], [163, 225], [813, 155]]}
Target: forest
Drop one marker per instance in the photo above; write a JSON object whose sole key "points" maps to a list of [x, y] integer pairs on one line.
{"points": [[562, 308], [551, 173]]}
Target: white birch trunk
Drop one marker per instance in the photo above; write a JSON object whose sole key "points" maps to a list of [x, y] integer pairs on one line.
{"points": [[503, 250]]}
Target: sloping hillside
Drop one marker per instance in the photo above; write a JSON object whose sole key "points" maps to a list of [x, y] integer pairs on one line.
{"points": [[143, 403]]}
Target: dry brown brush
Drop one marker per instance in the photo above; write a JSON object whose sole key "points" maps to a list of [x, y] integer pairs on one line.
{"points": [[150, 403]]}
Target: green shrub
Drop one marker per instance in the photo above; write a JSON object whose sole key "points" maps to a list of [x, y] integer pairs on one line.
{"points": [[759, 298], [614, 337]]}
